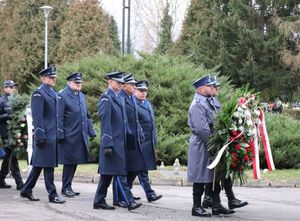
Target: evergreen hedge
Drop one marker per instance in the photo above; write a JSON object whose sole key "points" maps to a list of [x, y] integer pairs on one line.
{"points": [[171, 93], [284, 139]]}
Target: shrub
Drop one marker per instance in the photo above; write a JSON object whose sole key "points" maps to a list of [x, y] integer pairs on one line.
{"points": [[284, 139], [295, 113], [171, 93]]}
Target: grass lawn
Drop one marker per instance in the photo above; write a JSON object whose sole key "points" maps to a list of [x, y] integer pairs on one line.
{"points": [[90, 170]]}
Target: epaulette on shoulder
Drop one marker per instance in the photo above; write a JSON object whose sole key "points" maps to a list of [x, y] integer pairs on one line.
{"points": [[36, 93]]}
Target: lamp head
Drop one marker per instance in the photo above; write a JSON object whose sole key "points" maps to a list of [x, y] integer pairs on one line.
{"points": [[46, 10]]}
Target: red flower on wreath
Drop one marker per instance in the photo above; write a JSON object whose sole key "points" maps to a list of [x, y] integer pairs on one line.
{"points": [[234, 158], [241, 169], [237, 146], [235, 133], [242, 101], [251, 97], [246, 158], [233, 165], [251, 144]]}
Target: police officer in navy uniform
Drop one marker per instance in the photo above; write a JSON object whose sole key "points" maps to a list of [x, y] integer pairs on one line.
{"points": [[200, 121], [9, 88], [112, 155], [147, 121], [44, 155], [135, 161], [233, 202], [74, 129]]}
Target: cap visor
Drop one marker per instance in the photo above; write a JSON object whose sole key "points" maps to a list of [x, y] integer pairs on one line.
{"points": [[142, 88], [118, 80], [130, 82]]}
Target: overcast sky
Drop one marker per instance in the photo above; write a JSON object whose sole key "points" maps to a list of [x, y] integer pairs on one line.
{"points": [[145, 19]]}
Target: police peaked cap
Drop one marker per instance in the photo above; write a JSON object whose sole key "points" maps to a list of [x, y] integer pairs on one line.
{"points": [[129, 79], [206, 80], [75, 76], [9, 83], [142, 85], [51, 72], [116, 75], [215, 82]]}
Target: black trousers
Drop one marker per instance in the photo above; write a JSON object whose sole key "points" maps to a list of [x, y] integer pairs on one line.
{"points": [[48, 178], [227, 185], [198, 189], [14, 167], [67, 176], [144, 181], [119, 183]]}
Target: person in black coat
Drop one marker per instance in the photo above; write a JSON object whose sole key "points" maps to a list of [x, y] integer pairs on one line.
{"points": [[9, 88], [112, 155], [74, 129], [44, 155]]}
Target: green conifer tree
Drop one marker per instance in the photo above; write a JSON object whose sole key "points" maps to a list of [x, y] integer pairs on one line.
{"points": [[85, 31], [114, 34], [165, 35], [243, 39]]}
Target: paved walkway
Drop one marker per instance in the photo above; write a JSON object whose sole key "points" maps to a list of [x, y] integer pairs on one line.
{"points": [[264, 204]]}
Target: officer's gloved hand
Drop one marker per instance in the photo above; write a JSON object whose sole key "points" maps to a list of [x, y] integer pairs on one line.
{"points": [[108, 151], [60, 141], [40, 142]]}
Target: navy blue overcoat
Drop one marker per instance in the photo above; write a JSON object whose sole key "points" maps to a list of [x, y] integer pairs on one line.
{"points": [[135, 159], [44, 116], [113, 123], [147, 121], [74, 128]]}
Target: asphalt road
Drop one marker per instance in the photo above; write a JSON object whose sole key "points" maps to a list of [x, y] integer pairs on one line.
{"points": [[264, 204]]}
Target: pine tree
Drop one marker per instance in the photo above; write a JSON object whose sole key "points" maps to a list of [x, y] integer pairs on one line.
{"points": [[114, 34], [165, 36], [85, 31], [243, 39], [22, 37]]}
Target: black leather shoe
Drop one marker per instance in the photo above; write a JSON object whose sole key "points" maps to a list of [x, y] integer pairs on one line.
{"points": [[57, 199], [29, 196], [136, 197], [4, 185], [219, 209], [207, 202], [68, 193], [236, 203], [103, 205], [154, 197], [76, 193], [120, 204], [134, 205], [20, 185], [199, 211]]}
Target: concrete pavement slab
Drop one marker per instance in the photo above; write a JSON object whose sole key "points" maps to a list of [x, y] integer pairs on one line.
{"points": [[264, 204]]}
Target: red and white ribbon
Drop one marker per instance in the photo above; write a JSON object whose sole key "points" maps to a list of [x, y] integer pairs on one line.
{"points": [[220, 153], [265, 141], [255, 156]]}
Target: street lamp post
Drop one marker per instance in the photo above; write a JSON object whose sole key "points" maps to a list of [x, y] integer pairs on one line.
{"points": [[46, 10]]}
